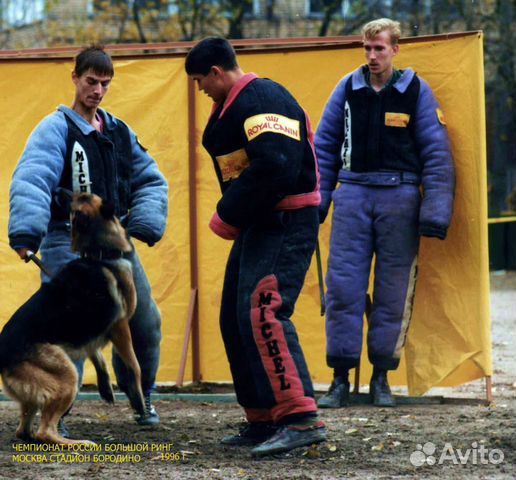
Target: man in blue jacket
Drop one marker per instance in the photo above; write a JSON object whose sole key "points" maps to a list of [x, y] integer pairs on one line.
{"points": [[86, 149], [260, 141], [382, 135]]}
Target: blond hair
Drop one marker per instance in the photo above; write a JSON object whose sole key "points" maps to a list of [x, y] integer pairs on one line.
{"points": [[375, 27]]}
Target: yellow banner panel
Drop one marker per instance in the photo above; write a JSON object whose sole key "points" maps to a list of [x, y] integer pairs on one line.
{"points": [[449, 338]]}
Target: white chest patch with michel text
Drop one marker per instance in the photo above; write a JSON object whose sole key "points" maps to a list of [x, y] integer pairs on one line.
{"points": [[80, 170]]}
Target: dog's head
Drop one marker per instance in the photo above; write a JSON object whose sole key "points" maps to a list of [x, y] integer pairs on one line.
{"points": [[95, 226]]}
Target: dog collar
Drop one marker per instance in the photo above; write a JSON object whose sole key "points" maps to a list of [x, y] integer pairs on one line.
{"points": [[103, 254]]}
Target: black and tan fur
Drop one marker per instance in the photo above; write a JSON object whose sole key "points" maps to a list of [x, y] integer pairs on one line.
{"points": [[89, 302]]}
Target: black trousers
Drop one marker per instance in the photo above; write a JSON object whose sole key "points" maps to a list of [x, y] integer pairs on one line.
{"points": [[264, 276]]}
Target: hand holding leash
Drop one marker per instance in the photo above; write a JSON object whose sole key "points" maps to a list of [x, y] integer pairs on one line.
{"points": [[30, 255], [22, 253]]}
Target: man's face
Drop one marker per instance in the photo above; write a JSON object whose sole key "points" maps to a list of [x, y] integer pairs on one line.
{"points": [[90, 88], [380, 53], [212, 84]]}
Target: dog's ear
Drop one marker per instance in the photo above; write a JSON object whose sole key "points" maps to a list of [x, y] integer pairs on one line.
{"points": [[81, 222], [107, 210], [63, 199]]}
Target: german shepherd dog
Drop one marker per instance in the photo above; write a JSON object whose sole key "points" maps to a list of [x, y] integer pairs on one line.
{"points": [[89, 302]]}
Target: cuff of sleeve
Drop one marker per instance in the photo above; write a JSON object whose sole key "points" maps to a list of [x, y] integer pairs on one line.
{"points": [[223, 229], [432, 231], [142, 233], [24, 241], [324, 207]]}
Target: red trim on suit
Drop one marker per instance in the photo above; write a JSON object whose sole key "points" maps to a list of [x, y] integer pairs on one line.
{"points": [[293, 202], [236, 89], [223, 229], [258, 415], [274, 352], [234, 92]]}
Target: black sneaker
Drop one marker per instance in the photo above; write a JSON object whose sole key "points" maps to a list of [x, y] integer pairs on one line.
{"points": [[337, 396], [379, 390], [150, 417], [289, 437], [251, 434]]}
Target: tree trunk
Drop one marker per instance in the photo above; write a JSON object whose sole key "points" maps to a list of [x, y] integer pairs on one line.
{"points": [[330, 7], [237, 10], [137, 21]]}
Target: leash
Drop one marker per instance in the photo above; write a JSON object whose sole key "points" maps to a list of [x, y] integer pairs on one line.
{"points": [[321, 279], [32, 256]]}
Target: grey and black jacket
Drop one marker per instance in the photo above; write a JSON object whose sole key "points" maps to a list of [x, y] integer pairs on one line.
{"points": [[64, 150]]}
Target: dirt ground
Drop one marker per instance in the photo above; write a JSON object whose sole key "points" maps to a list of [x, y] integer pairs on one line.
{"points": [[461, 438]]}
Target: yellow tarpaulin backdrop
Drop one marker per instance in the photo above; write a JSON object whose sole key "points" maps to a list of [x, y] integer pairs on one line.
{"points": [[449, 338]]}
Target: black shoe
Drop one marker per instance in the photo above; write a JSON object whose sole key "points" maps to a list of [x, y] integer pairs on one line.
{"points": [[61, 428], [337, 396], [150, 417], [289, 437], [380, 391], [251, 434]]}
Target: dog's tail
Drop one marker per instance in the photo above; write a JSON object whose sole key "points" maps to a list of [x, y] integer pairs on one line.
{"points": [[103, 380]]}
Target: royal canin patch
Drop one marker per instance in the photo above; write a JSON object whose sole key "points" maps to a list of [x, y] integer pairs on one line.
{"points": [[400, 120], [273, 123], [232, 164]]}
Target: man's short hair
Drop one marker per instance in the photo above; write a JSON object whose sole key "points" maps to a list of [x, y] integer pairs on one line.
{"points": [[375, 27], [94, 58], [209, 52]]}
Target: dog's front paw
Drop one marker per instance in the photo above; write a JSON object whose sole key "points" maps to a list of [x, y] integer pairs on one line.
{"points": [[86, 442], [24, 435]]}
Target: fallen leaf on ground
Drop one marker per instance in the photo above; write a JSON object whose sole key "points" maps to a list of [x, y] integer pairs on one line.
{"points": [[313, 452], [186, 452]]}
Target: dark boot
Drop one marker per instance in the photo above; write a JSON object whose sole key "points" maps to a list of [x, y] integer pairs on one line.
{"points": [[288, 437], [380, 391], [150, 417], [251, 434], [338, 394]]}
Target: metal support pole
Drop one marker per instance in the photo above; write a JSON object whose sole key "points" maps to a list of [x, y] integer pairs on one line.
{"points": [[489, 389], [194, 270], [192, 325]]}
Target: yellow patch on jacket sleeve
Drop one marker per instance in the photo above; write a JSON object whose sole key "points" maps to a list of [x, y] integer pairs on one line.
{"points": [[232, 164], [393, 119], [440, 116], [273, 123]]}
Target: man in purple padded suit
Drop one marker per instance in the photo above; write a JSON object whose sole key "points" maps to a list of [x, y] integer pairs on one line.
{"points": [[381, 136]]}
